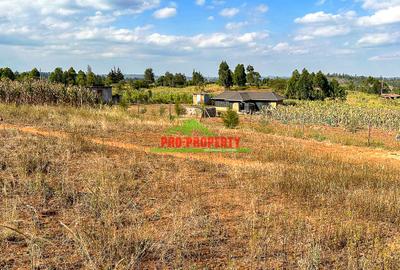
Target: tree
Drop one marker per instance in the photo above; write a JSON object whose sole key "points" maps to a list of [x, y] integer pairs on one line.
{"points": [[257, 79], [149, 76], [114, 76], [81, 78], [57, 76], [90, 77], [119, 76], [225, 75], [239, 75], [372, 85], [304, 86], [250, 75], [321, 87], [197, 78], [337, 90], [169, 79], [230, 119], [291, 90], [70, 76], [34, 74], [7, 73], [179, 80], [161, 81]]}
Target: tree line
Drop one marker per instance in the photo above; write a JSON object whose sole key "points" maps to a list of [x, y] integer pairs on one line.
{"points": [[240, 77], [313, 86], [305, 86]]}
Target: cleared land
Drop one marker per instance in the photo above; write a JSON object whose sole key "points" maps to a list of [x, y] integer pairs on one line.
{"points": [[80, 190]]}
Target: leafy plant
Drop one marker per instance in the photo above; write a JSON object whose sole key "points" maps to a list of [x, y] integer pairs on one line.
{"points": [[179, 109], [231, 119]]}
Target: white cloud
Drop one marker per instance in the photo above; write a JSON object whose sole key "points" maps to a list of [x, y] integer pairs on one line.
{"points": [[330, 31], [379, 4], [303, 37], [235, 25], [322, 17], [210, 18], [222, 40], [99, 19], [200, 2], [229, 12], [52, 23], [284, 47], [320, 2], [386, 57], [263, 8], [165, 13], [379, 39], [384, 16]]}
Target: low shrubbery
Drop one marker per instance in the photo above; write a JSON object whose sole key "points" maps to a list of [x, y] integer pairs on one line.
{"points": [[230, 119], [143, 96]]}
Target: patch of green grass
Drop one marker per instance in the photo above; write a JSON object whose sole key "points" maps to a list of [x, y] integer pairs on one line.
{"points": [[188, 127], [318, 137]]}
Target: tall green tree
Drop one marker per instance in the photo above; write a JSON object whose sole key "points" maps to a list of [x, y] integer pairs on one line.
{"points": [[7, 73], [114, 76], [291, 90], [149, 76], [338, 92], [257, 79], [239, 75], [34, 74], [321, 87], [90, 77], [70, 78], [304, 86], [179, 79], [225, 75], [119, 75], [57, 76], [250, 75], [197, 78], [81, 78]]}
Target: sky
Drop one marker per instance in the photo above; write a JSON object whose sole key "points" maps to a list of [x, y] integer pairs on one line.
{"points": [[275, 36]]}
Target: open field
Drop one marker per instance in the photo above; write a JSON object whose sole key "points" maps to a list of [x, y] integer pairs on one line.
{"points": [[81, 190]]}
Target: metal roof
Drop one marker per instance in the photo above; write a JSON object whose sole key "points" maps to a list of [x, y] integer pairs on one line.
{"points": [[248, 96]]}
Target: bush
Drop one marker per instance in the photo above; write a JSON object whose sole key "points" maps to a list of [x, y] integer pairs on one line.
{"points": [[179, 109], [162, 110], [231, 119]]}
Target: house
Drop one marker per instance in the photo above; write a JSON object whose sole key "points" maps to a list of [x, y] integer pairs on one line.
{"points": [[201, 99], [390, 96], [247, 102], [104, 93]]}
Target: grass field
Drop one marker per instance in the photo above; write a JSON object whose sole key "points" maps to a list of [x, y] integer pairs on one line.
{"points": [[80, 189]]}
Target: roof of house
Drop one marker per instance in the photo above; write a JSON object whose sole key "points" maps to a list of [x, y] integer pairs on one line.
{"points": [[248, 96]]}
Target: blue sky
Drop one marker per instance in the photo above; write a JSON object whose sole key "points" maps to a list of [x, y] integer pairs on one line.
{"points": [[275, 36]]}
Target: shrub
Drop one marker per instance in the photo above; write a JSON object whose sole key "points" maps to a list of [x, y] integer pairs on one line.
{"points": [[179, 109], [231, 119], [162, 110]]}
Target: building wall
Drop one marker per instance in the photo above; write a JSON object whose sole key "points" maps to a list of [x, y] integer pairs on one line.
{"points": [[107, 95], [199, 99]]}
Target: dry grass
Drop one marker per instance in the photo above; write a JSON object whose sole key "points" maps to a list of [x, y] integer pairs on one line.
{"points": [[69, 203]]}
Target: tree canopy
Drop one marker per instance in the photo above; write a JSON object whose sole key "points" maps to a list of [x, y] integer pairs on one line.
{"points": [[306, 86], [239, 75], [225, 75]]}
